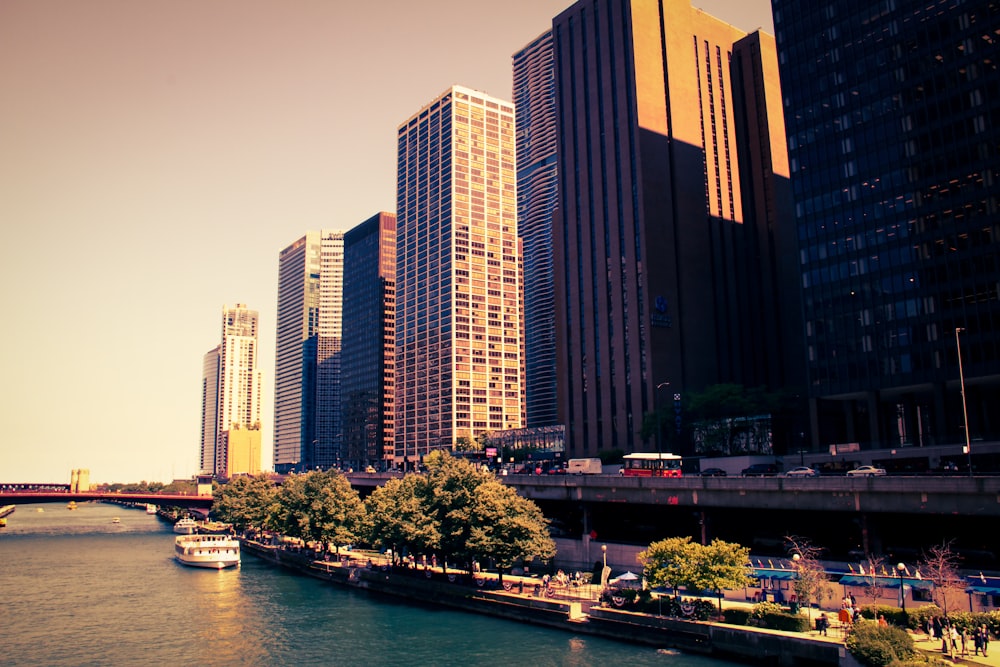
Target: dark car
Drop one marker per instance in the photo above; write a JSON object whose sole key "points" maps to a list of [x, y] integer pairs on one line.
{"points": [[761, 470], [713, 472]]}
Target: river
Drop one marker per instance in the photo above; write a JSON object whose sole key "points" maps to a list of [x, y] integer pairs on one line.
{"points": [[80, 590]]}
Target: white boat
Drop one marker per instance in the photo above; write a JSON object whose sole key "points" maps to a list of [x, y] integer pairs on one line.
{"points": [[116, 520], [185, 526], [213, 551], [150, 508]]}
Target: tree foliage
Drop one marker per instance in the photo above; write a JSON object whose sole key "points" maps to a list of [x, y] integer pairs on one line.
{"points": [[731, 419], [245, 502], [458, 513], [679, 562], [319, 506]]}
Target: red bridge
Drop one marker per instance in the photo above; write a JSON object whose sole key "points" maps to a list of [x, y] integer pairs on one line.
{"points": [[10, 495]]}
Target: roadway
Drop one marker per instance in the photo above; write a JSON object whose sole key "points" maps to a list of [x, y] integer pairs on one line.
{"points": [[162, 499]]}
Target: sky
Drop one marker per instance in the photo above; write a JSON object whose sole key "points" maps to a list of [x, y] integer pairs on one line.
{"points": [[156, 156]]}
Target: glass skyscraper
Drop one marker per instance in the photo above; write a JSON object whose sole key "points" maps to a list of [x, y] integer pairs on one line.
{"points": [[369, 340], [537, 198], [893, 117], [458, 324]]}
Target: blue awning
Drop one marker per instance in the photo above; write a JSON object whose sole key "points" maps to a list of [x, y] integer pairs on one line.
{"points": [[983, 585], [764, 573], [884, 582]]}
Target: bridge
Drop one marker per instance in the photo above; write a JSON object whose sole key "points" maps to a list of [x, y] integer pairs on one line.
{"points": [[18, 497]]}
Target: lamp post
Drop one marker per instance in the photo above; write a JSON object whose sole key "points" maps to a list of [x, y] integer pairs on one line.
{"points": [[965, 412], [659, 417], [902, 593], [604, 570]]}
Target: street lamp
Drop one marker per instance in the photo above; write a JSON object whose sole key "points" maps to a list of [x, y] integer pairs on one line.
{"points": [[900, 568], [604, 570], [965, 412], [659, 417]]}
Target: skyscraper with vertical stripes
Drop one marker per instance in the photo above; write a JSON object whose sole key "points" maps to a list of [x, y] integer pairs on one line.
{"points": [[673, 207], [458, 325], [307, 363]]}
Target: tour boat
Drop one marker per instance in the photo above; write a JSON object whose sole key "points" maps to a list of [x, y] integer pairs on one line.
{"points": [[116, 520], [71, 505], [150, 508], [185, 526], [213, 551]]}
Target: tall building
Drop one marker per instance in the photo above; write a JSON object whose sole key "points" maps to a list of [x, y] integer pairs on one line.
{"points": [[368, 348], [231, 386], [672, 200], [458, 348], [307, 360], [537, 198], [893, 119]]}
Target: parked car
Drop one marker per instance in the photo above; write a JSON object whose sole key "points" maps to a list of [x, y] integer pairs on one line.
{"points": [[866, 471], [713, 472], [761, 470], [802, 471]]}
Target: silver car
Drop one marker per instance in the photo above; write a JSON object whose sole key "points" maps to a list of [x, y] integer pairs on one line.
{"points": [[866, 471]]}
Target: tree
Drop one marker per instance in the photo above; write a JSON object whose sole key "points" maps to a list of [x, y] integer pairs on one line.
{"points": [[873, 585], [398, 516], [940, 564], [679, 562], [507, 527], [320, 506], [245, 502], [448, 488], [811, 583]]}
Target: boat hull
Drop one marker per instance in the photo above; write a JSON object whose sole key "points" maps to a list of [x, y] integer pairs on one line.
{"points": [[209, 551]]}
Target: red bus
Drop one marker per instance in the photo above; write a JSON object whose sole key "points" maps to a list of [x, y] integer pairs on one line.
{"points": [[651, 464]]}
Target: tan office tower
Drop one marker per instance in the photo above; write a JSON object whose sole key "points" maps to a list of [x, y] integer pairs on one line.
{"points": [[231, 386], [458, 348]]}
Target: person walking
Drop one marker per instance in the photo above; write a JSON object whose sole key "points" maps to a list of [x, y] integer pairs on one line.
{"points": [[984, 638]]}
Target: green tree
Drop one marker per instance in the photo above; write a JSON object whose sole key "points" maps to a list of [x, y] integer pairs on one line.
{"points": [[245, 502], [506, 527], [320, 506], [398, 516], [679, 562], [449, 492]]}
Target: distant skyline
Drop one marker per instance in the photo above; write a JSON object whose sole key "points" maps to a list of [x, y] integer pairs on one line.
{"points": [[157, 157]]}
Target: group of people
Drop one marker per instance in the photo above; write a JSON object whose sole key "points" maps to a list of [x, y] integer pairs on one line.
{"points": [[955, 641]]}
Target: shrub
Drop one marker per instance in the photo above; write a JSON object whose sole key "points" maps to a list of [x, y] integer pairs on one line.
{"points": [[785, 621], [762, 609], [736, 616], [879, 647]]}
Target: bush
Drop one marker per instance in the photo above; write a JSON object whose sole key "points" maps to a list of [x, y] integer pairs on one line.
{"points": [[762, 609], [785, 621], [736, 616], [879, 647]]}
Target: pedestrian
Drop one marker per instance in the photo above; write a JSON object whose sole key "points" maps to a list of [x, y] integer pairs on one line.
{"points": [[822, 623], [882, 623], [977, 640], [984, 638], [854, 602], [936, 624], [963, 636], [954, 641]]}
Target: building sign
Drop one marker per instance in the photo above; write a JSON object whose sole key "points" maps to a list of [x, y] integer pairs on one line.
{"points": [[660, 316]]}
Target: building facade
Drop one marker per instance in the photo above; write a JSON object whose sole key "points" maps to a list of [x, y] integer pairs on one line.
{"points": [[893, 120], [368, 349], [537, 198], [307, 360], [672, 201], [458, 325], [231, 398]]}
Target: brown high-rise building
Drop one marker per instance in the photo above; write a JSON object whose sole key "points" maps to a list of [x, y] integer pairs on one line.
{"points": [[673, 198]]}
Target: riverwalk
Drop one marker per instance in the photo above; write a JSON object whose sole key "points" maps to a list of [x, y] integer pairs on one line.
{"points": [[571, 608]]}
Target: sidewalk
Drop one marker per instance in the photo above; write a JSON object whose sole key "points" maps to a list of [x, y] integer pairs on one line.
{"points": [[932, 647]]}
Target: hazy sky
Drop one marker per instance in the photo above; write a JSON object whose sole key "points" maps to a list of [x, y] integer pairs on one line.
{"points": [[156, 156]]}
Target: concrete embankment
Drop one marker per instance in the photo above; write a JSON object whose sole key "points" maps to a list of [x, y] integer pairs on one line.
{"points": [[459, 591]]}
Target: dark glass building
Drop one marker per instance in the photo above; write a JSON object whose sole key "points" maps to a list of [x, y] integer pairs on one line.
{"points": [[368, 342], [892, 111]]}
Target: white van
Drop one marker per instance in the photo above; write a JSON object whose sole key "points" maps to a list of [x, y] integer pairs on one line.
{"points": [[585, 467]]}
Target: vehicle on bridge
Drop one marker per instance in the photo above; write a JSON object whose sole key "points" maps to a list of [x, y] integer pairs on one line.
{"points": [[585, 467], [866, 471], [651, 464], [802, 471]]}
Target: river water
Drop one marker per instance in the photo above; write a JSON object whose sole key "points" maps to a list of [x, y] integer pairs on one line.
{"points": [[80, 590]]}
